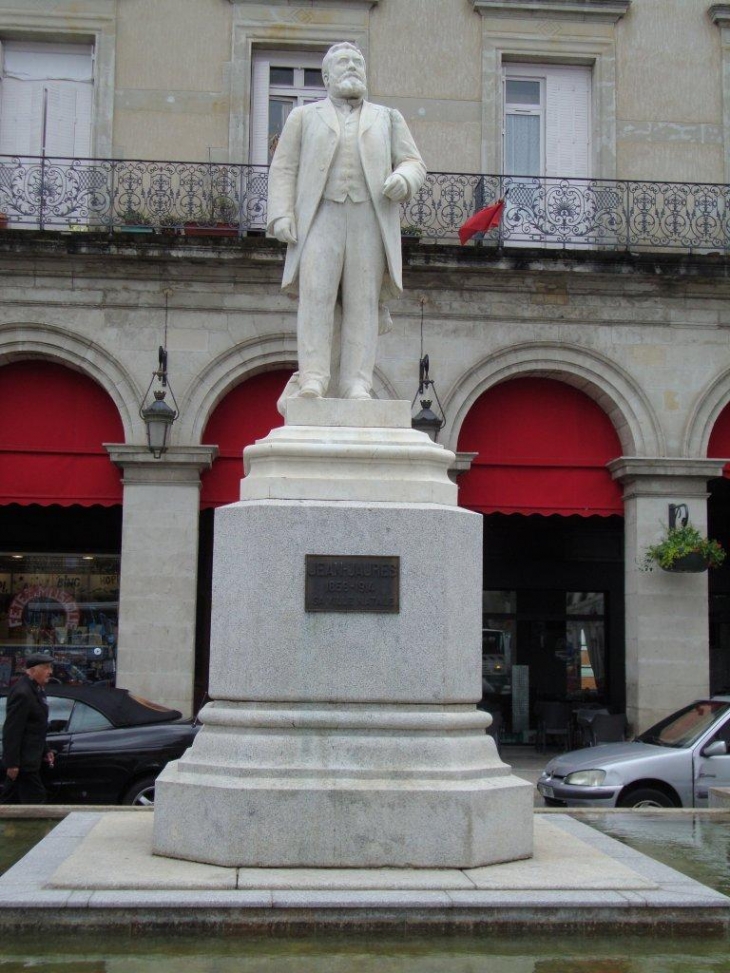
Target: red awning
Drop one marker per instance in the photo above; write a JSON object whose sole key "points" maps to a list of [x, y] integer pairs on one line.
{"points": [[542, 449], [53, 422], [246, 414], [719, 444]]}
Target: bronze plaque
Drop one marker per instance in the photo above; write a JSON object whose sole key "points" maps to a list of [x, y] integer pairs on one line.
{"points": [[345, 583]]}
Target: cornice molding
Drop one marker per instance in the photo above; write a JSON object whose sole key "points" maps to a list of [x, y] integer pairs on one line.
{"points": [[720, 14], [180, 464], [626, 469], [341, 3], [607, 11]]}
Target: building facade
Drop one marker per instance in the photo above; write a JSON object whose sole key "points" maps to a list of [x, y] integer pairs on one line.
{"points": [[580, 352]]}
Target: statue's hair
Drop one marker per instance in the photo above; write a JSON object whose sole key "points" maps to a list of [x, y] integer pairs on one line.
{"points": [[340, 46]]}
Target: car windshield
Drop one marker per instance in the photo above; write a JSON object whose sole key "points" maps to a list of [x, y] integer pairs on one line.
{"points": [[683, 728]]}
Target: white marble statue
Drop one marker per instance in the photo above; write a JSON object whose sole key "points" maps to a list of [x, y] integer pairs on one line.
{"points": [[339, 173]]}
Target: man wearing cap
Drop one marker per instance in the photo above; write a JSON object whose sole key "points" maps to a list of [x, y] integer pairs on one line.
{"points": [[24, 734]]}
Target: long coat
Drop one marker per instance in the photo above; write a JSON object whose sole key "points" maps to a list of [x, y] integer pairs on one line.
{"points": [[301, 164], [26, 725]]}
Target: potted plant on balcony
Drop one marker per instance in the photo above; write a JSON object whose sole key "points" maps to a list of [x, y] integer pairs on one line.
{"points": [[136, 221], [219, 219], [169, 225], [684, 549], [411, 232]]}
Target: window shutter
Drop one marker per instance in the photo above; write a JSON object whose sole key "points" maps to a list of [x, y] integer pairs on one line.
{"points": [[65, 72], [567, 121], [22, 111], [260, 111]]}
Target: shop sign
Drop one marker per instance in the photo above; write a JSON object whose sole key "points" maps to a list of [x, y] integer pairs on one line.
{"points": [[41, 593], [342, 583]]}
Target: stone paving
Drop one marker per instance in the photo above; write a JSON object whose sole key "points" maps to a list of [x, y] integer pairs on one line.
{"points": [[96, 871]]}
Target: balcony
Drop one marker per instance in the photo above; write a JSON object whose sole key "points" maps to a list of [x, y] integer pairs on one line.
{"points": [[115, 196]]}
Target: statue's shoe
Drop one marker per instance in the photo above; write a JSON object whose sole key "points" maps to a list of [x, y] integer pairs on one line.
{"points": [[358, 392], [311, 390]]}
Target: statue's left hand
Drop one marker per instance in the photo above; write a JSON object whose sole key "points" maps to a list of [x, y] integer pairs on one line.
{"points": [[395, 187]]}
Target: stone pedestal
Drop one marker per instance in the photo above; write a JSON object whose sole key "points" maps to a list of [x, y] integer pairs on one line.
{"points": [[345, 738]]}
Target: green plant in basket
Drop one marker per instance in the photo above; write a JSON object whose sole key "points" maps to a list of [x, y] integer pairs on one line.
{"points": [[684, 548]]}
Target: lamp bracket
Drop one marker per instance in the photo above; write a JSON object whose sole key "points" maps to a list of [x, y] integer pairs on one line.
{"points": [[678, 515]]}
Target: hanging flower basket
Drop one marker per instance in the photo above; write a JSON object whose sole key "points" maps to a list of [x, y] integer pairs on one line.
{"points": [[693, 563], [685, 550]]}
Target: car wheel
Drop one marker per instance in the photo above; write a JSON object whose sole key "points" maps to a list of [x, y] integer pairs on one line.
{"points": [[142, 793], [646, 797]]}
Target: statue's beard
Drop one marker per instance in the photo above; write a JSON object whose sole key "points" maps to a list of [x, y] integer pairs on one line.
{"points": [[351, 87]]}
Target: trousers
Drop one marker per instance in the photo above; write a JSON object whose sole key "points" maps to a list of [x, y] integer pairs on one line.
{"points": [[343, 256], [27, 788]]}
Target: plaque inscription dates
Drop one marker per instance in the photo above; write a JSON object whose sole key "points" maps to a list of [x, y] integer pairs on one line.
{"points": [[351, 583]]}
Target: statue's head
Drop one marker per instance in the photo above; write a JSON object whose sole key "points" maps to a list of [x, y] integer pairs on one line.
{"points": [[343, 71]]}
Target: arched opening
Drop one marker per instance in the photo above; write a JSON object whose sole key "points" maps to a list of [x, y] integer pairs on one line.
{"points": [[60, 520], [553, 627]]}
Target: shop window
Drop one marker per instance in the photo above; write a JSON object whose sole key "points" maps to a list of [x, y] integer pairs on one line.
{"points": [[541, 646], [281, 81], [63, 604]]}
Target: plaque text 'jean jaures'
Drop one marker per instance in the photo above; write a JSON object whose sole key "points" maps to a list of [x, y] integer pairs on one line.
{"points": [[337, 583]]}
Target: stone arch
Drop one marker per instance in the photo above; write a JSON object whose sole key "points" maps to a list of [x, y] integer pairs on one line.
{"points": [[708, 406], [247, 359], [24, 341], [598, 377]]}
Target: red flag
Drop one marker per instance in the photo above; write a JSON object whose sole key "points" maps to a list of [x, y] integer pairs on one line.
{"points": [[483, 221]]}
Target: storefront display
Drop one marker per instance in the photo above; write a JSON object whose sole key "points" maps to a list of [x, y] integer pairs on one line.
{"points": [[63, 604], [554, 640]]}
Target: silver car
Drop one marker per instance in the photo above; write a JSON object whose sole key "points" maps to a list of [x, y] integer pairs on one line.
{"points": [[672, 764]]}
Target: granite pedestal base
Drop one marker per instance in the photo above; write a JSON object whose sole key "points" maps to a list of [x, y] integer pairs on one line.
{"points": [[344, 731], [338, 787]]}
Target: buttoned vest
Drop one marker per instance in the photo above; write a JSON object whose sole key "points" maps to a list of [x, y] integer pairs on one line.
{"points": [[346, 179]]}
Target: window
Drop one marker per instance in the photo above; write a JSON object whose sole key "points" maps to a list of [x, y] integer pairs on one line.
{"points": [[546, 143], [541, 645], [46, 100], [547, 120], [281, 81], [62, 604], [86, 719]]}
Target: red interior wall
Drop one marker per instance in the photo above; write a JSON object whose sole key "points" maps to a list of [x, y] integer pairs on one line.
{"points": [[53, 421], [245, 414], [542, 448]]}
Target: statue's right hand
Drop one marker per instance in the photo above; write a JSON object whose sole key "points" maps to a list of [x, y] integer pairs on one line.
{"points": [[284, 230]]}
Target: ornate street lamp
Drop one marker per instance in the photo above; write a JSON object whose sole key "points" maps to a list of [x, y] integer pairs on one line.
{"points": [[427, 420], [158, 415]]}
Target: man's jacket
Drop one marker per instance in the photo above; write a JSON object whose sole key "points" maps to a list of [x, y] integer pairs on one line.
{"points": [[26, 724], [301, 164]]}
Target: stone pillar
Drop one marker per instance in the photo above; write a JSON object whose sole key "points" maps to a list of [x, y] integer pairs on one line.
{"points": [[159, 571], [667, 630]]}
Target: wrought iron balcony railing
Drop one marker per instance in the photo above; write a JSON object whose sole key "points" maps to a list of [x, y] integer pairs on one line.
{"points": [[110, 195]]}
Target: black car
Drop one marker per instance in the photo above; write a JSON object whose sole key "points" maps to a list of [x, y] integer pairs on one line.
{"points": [[109, 745]]}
